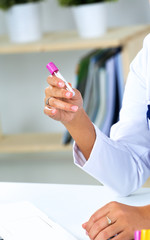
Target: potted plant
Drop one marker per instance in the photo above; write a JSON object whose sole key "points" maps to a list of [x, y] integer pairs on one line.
{"points": [[22, 19], [89, 15]]}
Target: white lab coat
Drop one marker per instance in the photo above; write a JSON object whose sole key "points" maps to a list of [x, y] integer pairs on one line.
{"points": [[122, 162]]}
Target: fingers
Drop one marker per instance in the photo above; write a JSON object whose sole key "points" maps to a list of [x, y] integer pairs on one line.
{"points": [[56, 89], [57, 92], [107, 233], [50, 111], [115, 220], [102, 228], [55, 81], [59, 104], [97, 227], [100, 213], [103, 223]]}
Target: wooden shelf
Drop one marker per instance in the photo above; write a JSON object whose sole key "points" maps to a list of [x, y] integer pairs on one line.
{"points": [[129, 37], [24, 143], [62, 41]]}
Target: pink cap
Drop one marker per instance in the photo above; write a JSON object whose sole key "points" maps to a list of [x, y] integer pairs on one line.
{"points": [[137, 235], [52, 68]]}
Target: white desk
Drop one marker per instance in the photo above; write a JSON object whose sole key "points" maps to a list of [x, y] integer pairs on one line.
{"points": [[68, 205]]}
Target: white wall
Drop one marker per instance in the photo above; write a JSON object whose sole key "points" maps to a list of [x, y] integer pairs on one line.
{"points": [[23, 76], [22, 84], [127, 12]]}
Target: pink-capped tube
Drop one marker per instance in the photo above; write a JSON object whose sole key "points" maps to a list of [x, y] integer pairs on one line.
{"points": [[137, 235], [55, 71], [52, 68]]}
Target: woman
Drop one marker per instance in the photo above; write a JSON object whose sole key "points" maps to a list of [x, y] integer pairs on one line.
{"points": [[121, 162]]}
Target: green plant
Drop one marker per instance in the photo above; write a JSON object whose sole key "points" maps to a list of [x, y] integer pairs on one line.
{"points": [[79, 2], [5, 4]]}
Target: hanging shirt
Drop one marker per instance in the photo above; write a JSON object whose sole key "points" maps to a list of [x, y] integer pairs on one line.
{"points": [[122, 162]]}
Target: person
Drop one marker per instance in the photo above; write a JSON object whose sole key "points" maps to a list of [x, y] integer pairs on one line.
{"points": [[121, 161]]}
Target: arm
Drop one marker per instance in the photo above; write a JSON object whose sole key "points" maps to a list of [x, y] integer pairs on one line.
{"points": [[81, 129], [69, 110], [124, 221], [122, 159]]}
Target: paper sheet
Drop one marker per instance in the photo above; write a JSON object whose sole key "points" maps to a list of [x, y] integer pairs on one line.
{"points": [[23, 221]]}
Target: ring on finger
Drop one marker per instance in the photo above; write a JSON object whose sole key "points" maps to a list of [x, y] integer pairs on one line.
{"points": [[108, 220], [47, 101]]}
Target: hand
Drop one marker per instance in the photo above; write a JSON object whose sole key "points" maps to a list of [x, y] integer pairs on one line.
{"points": [[62, 105], [124, 221]]}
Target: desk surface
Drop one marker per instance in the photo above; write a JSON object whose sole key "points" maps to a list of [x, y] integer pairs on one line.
{"points": [[68, 205]]}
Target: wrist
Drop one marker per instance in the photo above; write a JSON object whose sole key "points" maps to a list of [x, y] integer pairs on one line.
{"points": [[81, 128]]}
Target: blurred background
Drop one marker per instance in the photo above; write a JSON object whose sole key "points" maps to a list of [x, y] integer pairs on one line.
{"points": [[22, 84]]}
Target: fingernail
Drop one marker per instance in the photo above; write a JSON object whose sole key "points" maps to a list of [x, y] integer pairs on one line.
{"points": [[61, 84], [68, 94], [74, 108], [53, 111], [46, 108], [84, 225]]}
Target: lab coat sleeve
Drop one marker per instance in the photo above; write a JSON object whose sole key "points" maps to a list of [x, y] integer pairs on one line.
{"points": [[122, 162]]}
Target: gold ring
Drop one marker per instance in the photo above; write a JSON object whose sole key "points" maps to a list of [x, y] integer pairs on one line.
{"points": [[109, 220]]}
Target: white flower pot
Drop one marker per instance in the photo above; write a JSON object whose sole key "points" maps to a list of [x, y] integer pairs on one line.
{"points": [[90, 19], [23, 22]]}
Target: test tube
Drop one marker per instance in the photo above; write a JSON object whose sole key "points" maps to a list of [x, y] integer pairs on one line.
{"points": [[55, 71]]}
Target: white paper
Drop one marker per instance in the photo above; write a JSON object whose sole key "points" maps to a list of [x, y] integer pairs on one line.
{"points": [[23, 221]]}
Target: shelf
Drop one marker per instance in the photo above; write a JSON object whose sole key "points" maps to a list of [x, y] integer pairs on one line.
{"points": [[25, 143], [62, 41], [129, 37]]}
